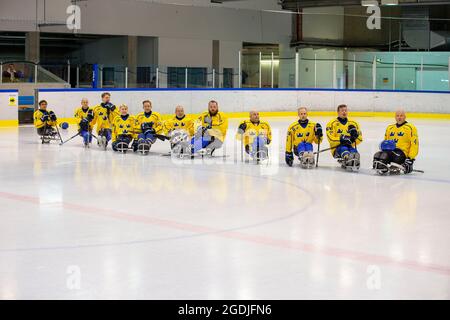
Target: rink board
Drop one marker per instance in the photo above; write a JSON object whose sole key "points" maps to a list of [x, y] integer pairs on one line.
{"points": [[9, 115], [64, 101], [237, 102]]}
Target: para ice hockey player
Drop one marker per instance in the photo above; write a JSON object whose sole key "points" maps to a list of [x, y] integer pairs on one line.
{"points": [[85, 117], [180, 129], [123, 130], [45, 123], [211, 129], [399, 148], [148, 125], [256, 135], [344, 135], [300, 137], [104, 115]]}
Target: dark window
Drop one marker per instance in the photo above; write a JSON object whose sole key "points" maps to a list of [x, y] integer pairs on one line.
{"points": [[144, 76], [197, 77], [228, 77], [108, 76]]}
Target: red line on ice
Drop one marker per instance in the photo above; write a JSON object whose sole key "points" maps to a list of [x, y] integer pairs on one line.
{"points": [[280, 243]]}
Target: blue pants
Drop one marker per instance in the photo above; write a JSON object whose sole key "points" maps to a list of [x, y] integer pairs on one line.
{"points": [[258, 144], [303, 147], [86, 135], [343, 150], [200, 143], [150, 137], [107, 133]]}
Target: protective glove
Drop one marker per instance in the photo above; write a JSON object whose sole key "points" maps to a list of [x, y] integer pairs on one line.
{"points": [[52, 116], [90, 115], [45, 118], [242, 127], [318, 130], [289, 158], [408, 165], [345, 140], [353, 132]]}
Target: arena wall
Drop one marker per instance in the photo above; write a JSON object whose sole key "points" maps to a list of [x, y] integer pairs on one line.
{"points": [[9, 115], [275, 102]]}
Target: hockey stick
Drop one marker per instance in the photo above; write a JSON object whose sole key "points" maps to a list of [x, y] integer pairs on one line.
{"points": [[242, 147], [59, 134], [69, 139], [318, 152], [93, 135], [402, 168], [327, 149]]}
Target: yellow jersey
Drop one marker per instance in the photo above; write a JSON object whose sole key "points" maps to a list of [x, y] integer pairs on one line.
{"points": [[405, 137], [81, 114], [219, 124], [153, 116], [253, 130], [38, 114], [104, 118], [338, 127], [176, 123], [123, 125], [299, 132]]}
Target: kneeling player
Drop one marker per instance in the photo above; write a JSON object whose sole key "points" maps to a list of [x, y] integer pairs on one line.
{"points": [[85, 117], [344, 135], [180, 129], [148, 125], [123, 130], [399, 148], [45, 123], [211, 130], [104, 115], [300, 136], [256, 136]]}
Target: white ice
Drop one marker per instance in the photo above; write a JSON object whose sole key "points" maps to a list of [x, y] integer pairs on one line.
{"points": [[77, 223]]}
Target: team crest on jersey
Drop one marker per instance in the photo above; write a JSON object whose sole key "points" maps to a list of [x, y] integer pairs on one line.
{"points": [[401, 134], [339, 131]]}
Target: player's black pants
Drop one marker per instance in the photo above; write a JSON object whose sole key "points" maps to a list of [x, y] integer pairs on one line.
{"points": [[121, 139], [45, 130], [396, 156]]}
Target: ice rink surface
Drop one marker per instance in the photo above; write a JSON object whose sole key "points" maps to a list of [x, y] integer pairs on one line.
{"points": [[84, 223]]}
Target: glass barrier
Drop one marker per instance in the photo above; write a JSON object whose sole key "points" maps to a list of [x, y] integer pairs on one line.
{"points": [[309, 68], [250, 71], [27, 72], [434, 74], [17, 71], [284, 72]]}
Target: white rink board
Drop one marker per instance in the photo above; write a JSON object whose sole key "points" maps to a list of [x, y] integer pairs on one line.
{"points": [[9, 111], [63, 102]]}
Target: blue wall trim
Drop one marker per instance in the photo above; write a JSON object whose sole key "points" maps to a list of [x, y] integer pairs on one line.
{"points": [[26, 100], [9, 90], [232, 89]]}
